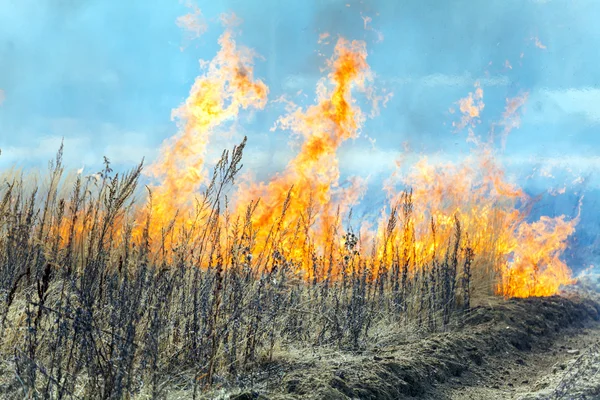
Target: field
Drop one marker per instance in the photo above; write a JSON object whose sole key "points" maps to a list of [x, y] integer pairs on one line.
{"points": [[193, 277], [94, 307]]}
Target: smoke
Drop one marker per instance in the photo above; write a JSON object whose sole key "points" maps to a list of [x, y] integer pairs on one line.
{"points": [[193, 23], [588, 279]]}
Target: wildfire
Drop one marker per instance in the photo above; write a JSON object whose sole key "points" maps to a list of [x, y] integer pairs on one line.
{"points": [[453, 208]]}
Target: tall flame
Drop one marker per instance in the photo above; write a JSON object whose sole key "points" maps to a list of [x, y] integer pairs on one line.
{"points": [[312, 177], [216, 97]]}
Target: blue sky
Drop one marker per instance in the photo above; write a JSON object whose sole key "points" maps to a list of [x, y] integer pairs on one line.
{"points": [[105, 74]]}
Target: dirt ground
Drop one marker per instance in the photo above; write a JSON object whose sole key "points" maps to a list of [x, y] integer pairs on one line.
{"points": [[537, 348], [565, 368]]}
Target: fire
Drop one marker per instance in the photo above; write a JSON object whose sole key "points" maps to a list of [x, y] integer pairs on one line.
{"points": [[537, 269], [298, 213], [216, 97], [525, 256], [453, 208], [311, 179], [471, 107]]}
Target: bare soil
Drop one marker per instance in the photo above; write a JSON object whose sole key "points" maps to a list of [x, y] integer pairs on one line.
{"points": [[537, 348], [562, 366]]}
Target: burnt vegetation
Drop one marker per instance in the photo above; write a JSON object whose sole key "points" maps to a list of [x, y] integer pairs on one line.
{"points": [[91, 306]]}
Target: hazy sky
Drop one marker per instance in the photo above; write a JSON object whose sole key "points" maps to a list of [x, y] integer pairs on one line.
{"points": [[105, 74]]}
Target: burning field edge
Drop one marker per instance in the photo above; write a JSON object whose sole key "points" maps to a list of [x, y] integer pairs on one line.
{"points": [[91, 309], [213, 282]]}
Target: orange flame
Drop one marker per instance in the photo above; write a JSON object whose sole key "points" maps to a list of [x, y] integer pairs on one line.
{"points": [[471, 108], [313, 174], [537, 269], [216, 97], [525, 256]]}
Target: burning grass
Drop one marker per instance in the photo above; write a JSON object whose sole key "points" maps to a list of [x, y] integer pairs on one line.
{"points": [[90, 310], [104, 296]]}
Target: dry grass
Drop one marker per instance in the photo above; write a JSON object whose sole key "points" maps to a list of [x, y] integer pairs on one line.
{"points": [[90, 309]]}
